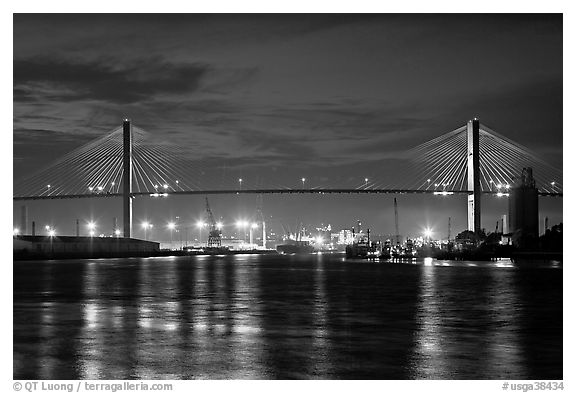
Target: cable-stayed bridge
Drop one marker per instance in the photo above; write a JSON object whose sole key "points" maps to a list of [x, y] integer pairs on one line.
{"points": [[472, 159]]}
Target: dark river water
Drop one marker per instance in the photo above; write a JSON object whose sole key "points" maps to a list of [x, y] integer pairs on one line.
{"points": [[285, 317]]}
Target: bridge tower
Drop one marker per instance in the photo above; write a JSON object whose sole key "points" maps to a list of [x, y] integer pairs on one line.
{"points": [[127, 177], [473, 138]]}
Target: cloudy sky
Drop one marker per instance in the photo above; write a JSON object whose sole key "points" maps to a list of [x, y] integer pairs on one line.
{"points": [[297, 93]]}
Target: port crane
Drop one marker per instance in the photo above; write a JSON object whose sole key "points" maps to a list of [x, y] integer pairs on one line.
{"points": [[215, 234]]}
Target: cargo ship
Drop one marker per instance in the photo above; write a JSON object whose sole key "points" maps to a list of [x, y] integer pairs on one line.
{"points": [[295, 247]]}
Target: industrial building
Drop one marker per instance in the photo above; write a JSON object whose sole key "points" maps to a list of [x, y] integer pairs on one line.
{"points": [[523, 211], [80, 246]]}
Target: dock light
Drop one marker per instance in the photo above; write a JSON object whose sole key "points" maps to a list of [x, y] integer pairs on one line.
{"points": [[117, 232], [16, 231], [91, 225], [92, 233], [200, 224], [51, 233], [219, 225], [171, 226]]}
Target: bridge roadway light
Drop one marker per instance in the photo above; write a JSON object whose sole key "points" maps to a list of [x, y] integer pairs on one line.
{"points": [[303, 181]]}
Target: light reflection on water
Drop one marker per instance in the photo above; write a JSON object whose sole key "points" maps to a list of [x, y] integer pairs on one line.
{"points": [[277, 317]]}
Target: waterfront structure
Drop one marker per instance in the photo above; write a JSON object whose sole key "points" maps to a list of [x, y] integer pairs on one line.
{"points": [[523, 211]]}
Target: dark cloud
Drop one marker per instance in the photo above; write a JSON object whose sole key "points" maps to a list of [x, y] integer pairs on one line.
{"points": [[127, 83]]}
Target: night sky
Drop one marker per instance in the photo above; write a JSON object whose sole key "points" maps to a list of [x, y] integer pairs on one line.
{"points": [[302, 95]]}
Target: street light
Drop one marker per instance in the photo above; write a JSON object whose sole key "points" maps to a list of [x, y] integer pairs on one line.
{"points": [[200, 224], [303, 181], [171, 227], [91, 227], [365, 182], [51, 233], [427, 234], [252, 226], [241, 224], [117, 232], [240, 183], [146, 225], [16, 231]]}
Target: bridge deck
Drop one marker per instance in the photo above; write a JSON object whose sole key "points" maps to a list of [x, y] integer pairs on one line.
{"points": [[265, 191]]}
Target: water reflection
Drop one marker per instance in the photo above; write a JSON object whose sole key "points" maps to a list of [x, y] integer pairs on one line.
{"points": [[269, 317]]}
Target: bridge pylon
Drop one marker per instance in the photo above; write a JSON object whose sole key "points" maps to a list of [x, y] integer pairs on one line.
{"points": [[474, 203], [127, 177]]}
